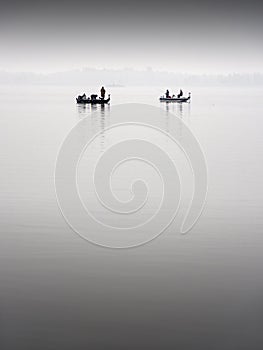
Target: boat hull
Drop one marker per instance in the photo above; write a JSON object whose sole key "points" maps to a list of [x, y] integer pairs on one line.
{"points": [[182, 99], [93, 102]]}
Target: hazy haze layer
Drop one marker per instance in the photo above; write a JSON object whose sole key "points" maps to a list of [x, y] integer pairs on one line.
{"points": [[193, 37]]}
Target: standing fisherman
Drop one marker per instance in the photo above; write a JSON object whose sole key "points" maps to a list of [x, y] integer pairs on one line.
{"points": [[102, 92]]}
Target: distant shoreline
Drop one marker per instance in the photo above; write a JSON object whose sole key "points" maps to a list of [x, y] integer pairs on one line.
{"points": [[129, 77]]}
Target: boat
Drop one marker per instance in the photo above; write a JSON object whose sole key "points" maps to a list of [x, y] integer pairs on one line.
{"points": [[94, 101], [175, 99], [115, 85]]}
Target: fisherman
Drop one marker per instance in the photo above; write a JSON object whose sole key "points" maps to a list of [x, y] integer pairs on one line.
{"points": [[167, 93], [102, 92], [180, 94], [93, 97], [81, 97]]}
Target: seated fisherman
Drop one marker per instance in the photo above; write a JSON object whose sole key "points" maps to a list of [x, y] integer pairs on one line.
{"points": [[180, 94]]}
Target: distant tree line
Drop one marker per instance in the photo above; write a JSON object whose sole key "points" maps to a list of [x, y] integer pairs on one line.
{"points": [[130, 77]]}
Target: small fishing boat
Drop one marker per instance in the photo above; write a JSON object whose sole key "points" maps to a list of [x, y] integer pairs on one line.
{"points": [[175, 99], [94, 101]]}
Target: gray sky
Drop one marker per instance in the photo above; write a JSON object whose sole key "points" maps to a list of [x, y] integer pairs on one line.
{"points": [[194, 37]]}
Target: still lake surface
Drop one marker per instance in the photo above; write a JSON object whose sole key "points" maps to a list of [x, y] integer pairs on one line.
{"points": [[202, 290]]}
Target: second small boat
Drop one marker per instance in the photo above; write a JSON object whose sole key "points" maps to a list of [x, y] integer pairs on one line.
{"points": [[175, 99]]}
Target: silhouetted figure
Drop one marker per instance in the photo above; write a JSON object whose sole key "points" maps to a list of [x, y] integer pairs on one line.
{"points": [[93, 96], [102, 92], [180, 94], [81, 97], [167, 93]]}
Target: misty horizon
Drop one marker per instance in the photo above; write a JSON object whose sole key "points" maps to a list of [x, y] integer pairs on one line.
{"points": [[129, 77]]}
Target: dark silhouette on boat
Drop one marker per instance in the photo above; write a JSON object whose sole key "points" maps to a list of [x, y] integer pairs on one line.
{"points": [[92, 99], [179, 98]]}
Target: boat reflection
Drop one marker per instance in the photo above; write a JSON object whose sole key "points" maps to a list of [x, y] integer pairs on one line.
{"points": [[85, 110], [181, 110], [97, 118]]}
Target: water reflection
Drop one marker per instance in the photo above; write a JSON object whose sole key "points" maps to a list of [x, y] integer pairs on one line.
{"points": [[97, 118], [102, 128], [180, 109], [81, 110]]}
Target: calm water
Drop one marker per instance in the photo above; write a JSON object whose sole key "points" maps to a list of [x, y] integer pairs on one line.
{"points": [[202, 290]]}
